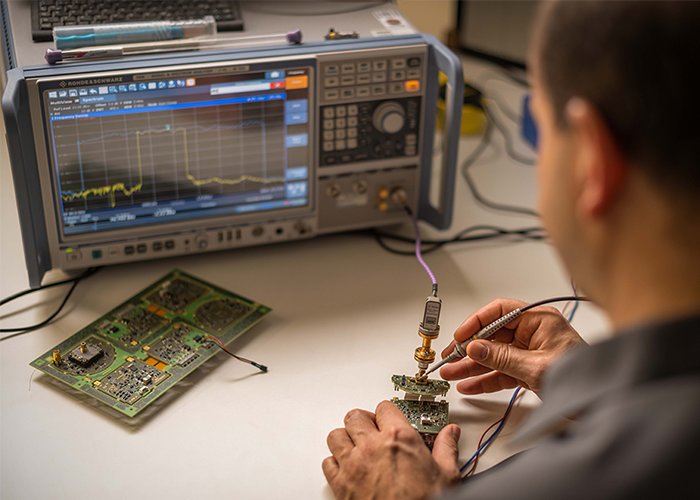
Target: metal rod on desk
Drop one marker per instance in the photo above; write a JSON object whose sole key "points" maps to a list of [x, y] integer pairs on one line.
{"points": [[109, 51]]}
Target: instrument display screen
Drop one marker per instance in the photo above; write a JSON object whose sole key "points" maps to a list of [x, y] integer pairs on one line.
{"points": [[143, 152]]}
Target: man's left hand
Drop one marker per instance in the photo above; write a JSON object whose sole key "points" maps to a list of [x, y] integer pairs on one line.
{"points": [[382, 456]]}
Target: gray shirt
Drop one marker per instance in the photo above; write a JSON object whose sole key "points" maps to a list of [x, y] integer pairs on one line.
{"points": [[635, 401]]}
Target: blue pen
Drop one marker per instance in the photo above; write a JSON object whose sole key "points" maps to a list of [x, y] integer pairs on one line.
{"points": [[73, 37]]}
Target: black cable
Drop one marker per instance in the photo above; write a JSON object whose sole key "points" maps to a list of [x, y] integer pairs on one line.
{"points": [[89, 272], [513, 78], [555, 299], [494, 229], [75, 282], [510, 150], [502, 76], [503, 107], [485, 140], [533, 233]]}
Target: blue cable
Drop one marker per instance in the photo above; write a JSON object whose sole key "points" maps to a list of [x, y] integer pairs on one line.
{"points": [[512, 400], [573, 311], [495, 433]]}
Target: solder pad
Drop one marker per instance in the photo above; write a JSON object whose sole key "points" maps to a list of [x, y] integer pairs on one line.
{"points": [[159, 344], [430, 388]]}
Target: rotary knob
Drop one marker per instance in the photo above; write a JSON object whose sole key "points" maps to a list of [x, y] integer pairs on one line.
{"points": [[202, 242], [389, 117]]}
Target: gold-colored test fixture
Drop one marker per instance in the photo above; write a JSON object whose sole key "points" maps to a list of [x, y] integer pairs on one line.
{"points": [[428, 330]]}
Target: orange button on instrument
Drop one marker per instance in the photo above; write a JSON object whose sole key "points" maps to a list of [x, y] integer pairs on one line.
{"points": [[412, 85], [297, 82]]}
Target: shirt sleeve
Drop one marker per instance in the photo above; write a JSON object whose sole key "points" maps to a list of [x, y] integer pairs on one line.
{"points": [[631, 445]]}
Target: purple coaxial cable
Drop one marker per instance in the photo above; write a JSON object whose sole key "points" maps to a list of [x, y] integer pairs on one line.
{"points": [[419, 256]]}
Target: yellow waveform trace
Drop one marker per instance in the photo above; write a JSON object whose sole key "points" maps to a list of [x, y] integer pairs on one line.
{"points": [[219, 180], [103, 191], [120, 187]]}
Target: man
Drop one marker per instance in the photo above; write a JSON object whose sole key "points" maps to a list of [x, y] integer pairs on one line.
{"points": [[616, 102]]}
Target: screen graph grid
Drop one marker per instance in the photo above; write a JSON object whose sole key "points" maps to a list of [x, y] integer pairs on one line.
{"points": [[161, 157]]}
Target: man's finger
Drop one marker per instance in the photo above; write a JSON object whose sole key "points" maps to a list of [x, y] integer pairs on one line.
{"points": [[330, 468], [339, 443], [359, 424], [446, 451], [448, 350], [504, 358], [487, 315], [503, 335], [463, 368], [389, 415], [491, 382]]}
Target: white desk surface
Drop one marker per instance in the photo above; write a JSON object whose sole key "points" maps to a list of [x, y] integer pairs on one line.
{"points": [[345, 319]]}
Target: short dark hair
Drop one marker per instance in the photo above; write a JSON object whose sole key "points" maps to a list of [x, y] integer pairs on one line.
{"points": [[636, 62]]}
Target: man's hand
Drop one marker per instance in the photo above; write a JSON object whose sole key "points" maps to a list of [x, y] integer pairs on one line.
{"points": [[382, 456], [517, 354]]}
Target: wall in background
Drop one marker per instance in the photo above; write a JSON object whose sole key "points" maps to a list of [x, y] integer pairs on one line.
{"points": [[500, 28], [437, 17]]}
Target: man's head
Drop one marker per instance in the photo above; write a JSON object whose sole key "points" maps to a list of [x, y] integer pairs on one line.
{"points": [[619, 117]]}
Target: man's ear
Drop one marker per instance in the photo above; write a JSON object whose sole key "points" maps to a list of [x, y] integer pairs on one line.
{"points": [[601, 168]]}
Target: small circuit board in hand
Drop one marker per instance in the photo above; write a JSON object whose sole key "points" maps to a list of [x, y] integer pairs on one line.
{"points": [[428, 417], [425, 414], [429, 388], [140, 349]]}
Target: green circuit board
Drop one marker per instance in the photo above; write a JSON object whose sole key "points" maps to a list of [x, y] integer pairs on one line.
{"points": [[133, 354], [431, 387], [428, 417]]}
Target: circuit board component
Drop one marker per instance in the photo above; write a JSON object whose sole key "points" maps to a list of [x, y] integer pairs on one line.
{"points": [[139, 322], [133, 354], [428, 417], [131, 381], [173, 347], [177, 294], [218, 314], [423, 412], [92, 355], [86, 354], [430, 387]]}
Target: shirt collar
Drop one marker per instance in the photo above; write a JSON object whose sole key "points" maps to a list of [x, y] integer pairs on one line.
{"points": [[633, 357]]}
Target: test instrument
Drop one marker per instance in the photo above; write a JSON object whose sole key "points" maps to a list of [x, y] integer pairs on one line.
{"points": [[419, 406], [426, 414], [153, 156], [428, 330]]}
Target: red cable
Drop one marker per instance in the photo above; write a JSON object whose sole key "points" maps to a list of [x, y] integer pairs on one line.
{"points": [[244, 360], [476, 460]]}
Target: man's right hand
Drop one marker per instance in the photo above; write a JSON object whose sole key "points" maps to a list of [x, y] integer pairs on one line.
{"points": [[517, 354]]}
